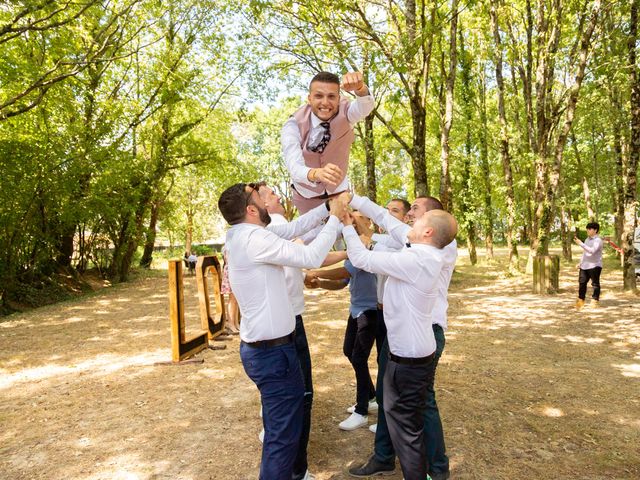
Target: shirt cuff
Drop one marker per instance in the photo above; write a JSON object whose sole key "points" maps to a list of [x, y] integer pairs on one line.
{"points": [[356, 202], [334, 222], [348, 230]]}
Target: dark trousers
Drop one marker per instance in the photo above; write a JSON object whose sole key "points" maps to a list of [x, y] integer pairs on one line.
{"points": [[434, 435], [405, 397], [304, 357], [592, 274], [276, 373], [358, 342]]}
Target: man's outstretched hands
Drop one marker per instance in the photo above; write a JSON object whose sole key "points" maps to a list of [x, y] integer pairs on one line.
{"points": [[339, 206]]}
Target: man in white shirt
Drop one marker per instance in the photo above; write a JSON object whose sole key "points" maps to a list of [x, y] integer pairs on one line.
{"points": [[590, 265], [316, 139], [295, 278], [256, 275], [383, 459]]}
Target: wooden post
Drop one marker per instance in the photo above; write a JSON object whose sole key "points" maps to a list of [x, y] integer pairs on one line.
{"points": [[546, 274], [181, 347]]}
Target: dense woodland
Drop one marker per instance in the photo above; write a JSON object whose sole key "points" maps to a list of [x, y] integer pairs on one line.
{"points": [[122, 121]]}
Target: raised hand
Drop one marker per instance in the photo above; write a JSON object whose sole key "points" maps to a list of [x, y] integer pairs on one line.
{"points": [[354, 82]]}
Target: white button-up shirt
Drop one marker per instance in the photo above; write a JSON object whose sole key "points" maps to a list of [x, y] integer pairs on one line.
{"points": [[409, 295], [398, 232], [292, 144], [592, 255], [293, 276], [257, 256]]}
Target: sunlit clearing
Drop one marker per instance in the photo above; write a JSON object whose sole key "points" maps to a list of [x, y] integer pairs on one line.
{"points": [[553, 412], [13, 323], [128, 467], [211, 373], [448, 359], [335, 324], [628, 421], [101, 363], [590, 341], [630, 370]]}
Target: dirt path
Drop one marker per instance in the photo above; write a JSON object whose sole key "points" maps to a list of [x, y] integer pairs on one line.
{"points": [[527, 388]]}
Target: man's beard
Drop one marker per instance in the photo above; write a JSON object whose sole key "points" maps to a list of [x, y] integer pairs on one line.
{"points": [[265, 218]]}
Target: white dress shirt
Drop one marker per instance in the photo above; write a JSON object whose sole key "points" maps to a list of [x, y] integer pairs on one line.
{"points": [[383, 243], [292, 141], [409, 295], [398, 232], [592, 255], [294, 277], [257, 256]]}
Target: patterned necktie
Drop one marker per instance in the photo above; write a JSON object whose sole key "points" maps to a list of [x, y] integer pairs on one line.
{"points": [[326, 136]]}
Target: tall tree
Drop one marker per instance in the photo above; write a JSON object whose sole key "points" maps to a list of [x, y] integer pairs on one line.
{"points": [[631, 170], [504, 138]]}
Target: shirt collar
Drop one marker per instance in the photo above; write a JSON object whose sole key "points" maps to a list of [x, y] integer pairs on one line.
{"points": [[315, 121]]}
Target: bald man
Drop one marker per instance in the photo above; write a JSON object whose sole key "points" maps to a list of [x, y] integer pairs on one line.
{"points": [[410, 298]]}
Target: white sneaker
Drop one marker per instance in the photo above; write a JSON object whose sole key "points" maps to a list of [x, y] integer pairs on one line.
{"points": [[373, 407], [308, 476], [373, 428], [354, 421], [261, 436]]}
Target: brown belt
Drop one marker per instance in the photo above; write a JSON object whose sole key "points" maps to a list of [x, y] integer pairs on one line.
{"points": [[274, 342]]}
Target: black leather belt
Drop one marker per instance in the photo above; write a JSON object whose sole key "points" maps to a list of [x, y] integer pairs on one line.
{"points": [[274, 342], [411, 361]]}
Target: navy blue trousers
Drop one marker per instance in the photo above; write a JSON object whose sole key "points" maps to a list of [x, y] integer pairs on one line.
{"points": [[304, 357], [276, 373]]}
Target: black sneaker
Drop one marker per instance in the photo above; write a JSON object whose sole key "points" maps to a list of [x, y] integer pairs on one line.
{"points": [[373, 467], [440, 475]]}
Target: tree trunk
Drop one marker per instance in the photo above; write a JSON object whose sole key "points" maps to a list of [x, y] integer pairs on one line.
{"points": [[486, 172], [583, 178], [471, 243], [630, 177], [512, 246], [619, 187], [566, 233], [545, 212], [150, 236], [370, 158], [445, 176]]}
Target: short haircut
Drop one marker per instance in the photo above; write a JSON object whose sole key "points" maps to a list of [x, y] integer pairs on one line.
{"points": [[405, 205], [594, 225], [259, 185], [445, 227], [233, 203], [432, 203], [325, 77]]}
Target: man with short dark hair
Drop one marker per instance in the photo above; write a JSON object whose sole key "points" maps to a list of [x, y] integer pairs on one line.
{"points": [[590, 265], [256, 275], [294, 278], [317, 138]]}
